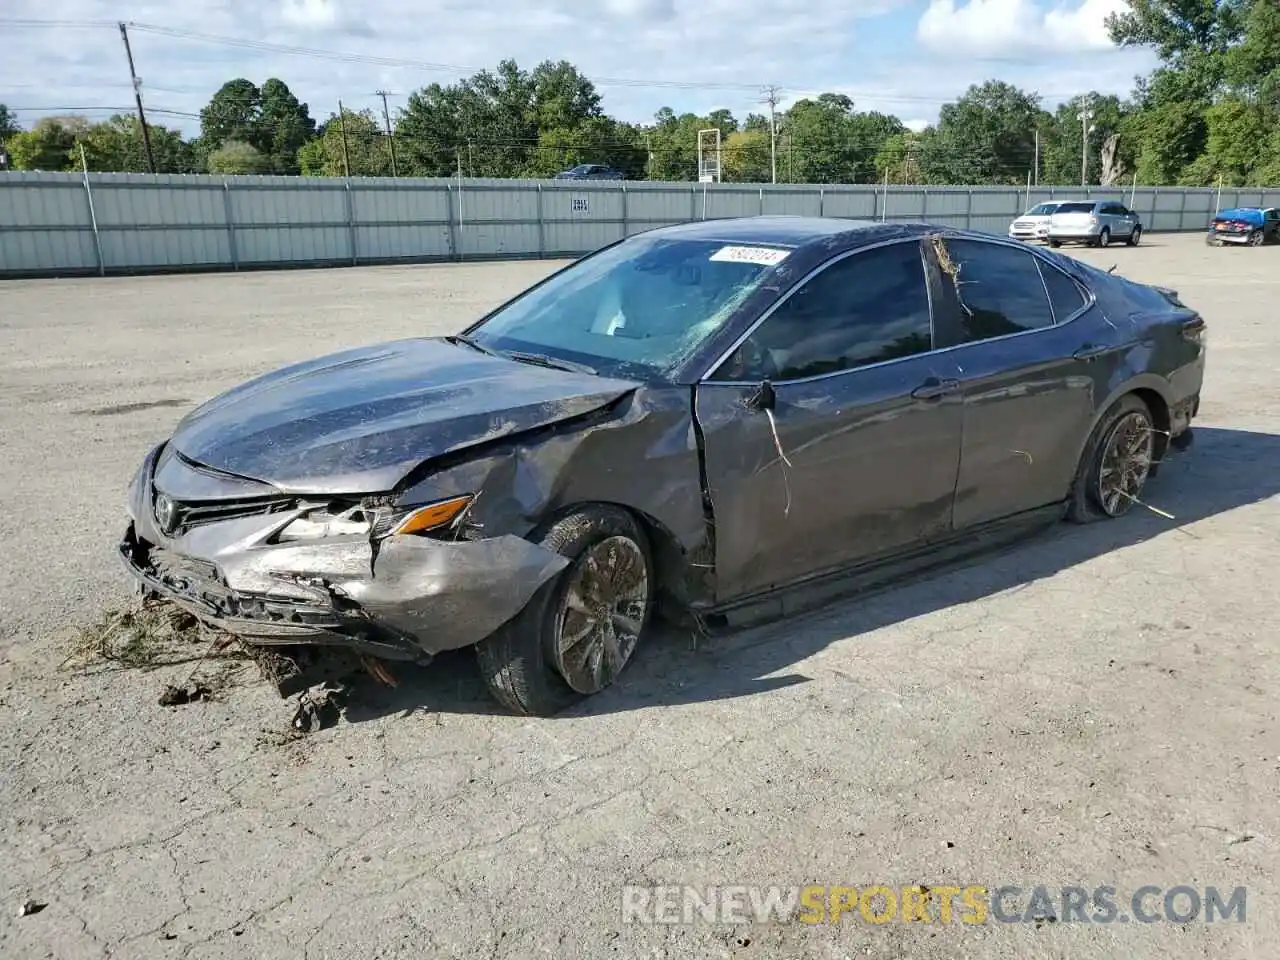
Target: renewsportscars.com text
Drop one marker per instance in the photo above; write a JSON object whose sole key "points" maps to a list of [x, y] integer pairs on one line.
{"points": [[940, 903]]}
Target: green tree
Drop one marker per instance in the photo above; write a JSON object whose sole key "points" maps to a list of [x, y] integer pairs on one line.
{"points": [[986, 136], [284, 126], [270, 119], [899, 158], [237, 158], [362, 145], [1061, 139], [596, 140], [8, 124], [746, 157], [116, 145], [48, 145]]}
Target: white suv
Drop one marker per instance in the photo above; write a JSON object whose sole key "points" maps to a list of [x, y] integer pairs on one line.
{"points": [[1034, 224]]}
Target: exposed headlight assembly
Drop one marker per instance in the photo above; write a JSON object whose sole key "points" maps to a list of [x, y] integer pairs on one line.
{"points": [[374, 522]]}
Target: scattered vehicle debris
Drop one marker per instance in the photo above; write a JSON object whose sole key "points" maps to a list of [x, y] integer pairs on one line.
{"points": [[316, 712], [728, 420], [29, 907], [172, 696]]}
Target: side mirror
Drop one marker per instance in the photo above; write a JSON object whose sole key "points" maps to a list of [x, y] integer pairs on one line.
{"points": [[763, 397]]}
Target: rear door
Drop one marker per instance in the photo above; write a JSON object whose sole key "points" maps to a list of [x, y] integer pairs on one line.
{"points": [[1028, 348], [856, 456], [1126, 220]]}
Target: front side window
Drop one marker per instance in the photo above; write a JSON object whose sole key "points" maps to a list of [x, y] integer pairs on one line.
{"points": [[1075, 207], [1041, 210], [634, 309], [999, 288], [869, 307]]}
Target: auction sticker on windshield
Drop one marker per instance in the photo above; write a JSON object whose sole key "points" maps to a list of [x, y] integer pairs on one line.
{"points": [[762, 256]]}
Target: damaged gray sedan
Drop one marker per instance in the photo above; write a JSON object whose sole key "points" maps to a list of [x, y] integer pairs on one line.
{"points": [[728, 420]]}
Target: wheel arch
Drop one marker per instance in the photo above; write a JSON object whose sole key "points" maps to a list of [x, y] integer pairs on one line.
{"points": [[679, 577], [1152, 391]]}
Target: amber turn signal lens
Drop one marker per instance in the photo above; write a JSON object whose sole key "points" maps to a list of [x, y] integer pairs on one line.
{"points": [[433, 515]]}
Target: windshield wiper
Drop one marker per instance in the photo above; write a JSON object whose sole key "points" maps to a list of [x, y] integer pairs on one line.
{"points": [[474, 345], [555, 363]]}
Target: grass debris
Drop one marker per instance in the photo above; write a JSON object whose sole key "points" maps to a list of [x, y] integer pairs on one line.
{"points": [[148, 635]]}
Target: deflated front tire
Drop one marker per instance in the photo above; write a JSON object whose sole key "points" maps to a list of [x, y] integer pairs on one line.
{"points": [[581, 628]]}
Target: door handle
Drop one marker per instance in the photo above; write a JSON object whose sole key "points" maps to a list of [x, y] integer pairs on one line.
{"points": [[1090, 351], [933, 388]]}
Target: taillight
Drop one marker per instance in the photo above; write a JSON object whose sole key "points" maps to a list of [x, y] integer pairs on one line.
{"points": [[1194, 330]]}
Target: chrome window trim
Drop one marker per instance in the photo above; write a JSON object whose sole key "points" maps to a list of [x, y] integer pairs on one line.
{"points": [[1089, 298]]}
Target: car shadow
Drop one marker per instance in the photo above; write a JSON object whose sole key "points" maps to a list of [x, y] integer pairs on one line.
{"points": [[1225, 469]]}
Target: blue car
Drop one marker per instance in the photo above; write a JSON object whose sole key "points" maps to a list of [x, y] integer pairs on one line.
{"points": [[1252, 226]]}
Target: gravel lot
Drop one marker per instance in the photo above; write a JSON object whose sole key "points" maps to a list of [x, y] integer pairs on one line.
{"points": [[1094, 708]]}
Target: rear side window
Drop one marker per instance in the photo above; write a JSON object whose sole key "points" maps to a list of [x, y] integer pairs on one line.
{"points": [[1064, 296], [1000, 290]]}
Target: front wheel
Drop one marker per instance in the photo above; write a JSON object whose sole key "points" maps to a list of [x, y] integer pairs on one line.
{"points": [[1116, 463], [1256, 238], [1055, 243], [579, 631], [1135, 237]]}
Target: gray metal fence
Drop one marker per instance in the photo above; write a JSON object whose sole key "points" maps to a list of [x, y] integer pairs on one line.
{"points": [[65, 224]]}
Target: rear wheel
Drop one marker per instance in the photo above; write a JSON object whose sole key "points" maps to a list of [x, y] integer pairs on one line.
{"points": [[1055, 243], [579, 631], [1116, 463], [1104, 238]]}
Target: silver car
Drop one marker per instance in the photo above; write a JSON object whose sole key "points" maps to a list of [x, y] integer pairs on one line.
{"points": [[1034, 224], [1094, 222]]}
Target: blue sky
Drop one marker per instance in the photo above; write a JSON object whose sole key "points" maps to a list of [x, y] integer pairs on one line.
{"points": [[905, 58]]}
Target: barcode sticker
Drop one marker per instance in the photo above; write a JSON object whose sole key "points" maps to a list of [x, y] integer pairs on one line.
{"points": [[764, 256]]}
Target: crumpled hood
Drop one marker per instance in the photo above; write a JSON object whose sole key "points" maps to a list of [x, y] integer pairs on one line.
{"points": [[358, 421]]}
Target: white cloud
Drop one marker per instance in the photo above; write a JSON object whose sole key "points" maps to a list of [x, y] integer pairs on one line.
{"points": [[1015, 29], [723, 51]]}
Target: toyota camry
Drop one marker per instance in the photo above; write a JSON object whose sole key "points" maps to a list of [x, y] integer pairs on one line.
{"points": [[726, 421]]}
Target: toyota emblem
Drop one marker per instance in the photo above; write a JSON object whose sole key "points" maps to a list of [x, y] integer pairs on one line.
{"points": [[166, 514]]}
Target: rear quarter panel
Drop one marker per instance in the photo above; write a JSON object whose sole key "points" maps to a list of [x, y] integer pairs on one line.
{"points": [[1158, 357]]}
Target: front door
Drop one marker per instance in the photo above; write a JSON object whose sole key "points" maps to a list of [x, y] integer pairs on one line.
{"points": [[831, 435]]}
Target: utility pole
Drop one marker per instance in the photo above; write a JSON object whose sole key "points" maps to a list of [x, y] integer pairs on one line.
{"points": [[1035, 167], [342, 129], [771, 98], [1085, 115], [391, 137], [137, 97]]}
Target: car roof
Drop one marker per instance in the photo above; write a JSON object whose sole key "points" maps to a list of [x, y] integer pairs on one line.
{"points": [[789, 231]]}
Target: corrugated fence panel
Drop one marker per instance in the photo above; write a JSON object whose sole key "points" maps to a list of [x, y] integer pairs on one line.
{"points": [[657, 204], [791, 201], [857, 204], [395, 220], [162, 222], [44, 219]]}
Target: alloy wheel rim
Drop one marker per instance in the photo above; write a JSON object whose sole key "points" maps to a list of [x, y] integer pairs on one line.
{"points": [[1126, 463], [602, 612]]}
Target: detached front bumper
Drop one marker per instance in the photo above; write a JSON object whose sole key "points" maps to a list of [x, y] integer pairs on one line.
{"points": [[405, 598]]}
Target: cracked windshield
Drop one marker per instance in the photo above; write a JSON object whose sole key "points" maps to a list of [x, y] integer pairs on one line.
{"points": [[634, 309]]}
